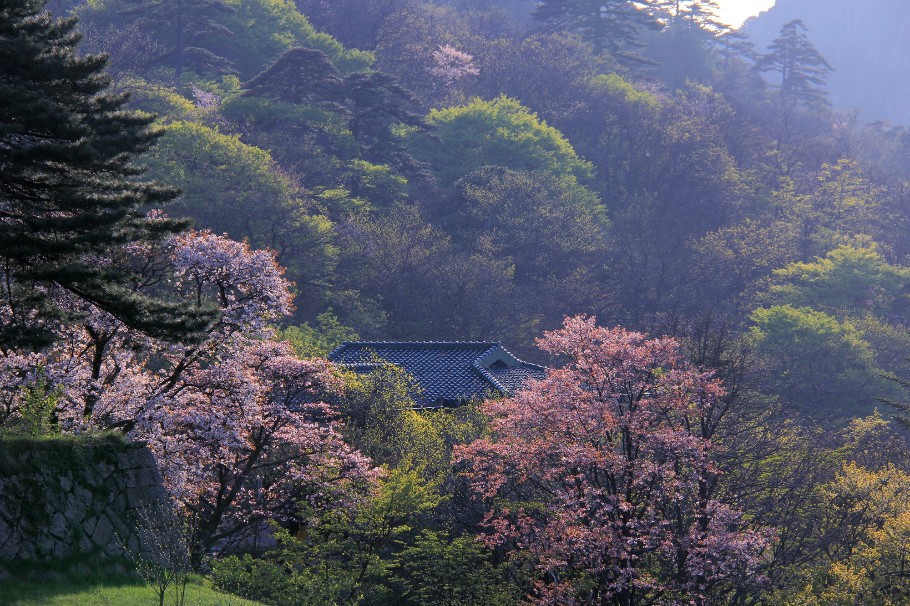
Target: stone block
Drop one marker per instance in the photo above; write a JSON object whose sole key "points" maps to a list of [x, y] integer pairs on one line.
{"points": [[59, 526], [93, 477], [61, 550], [9, 541], [27, 550], [132, 544], [44, 546], [65, 483], [114, 549], [135, 498], [121, 530], [103, 532], [104, 470], [85, 545], [82, 496], [75, 512], [88, 527]]}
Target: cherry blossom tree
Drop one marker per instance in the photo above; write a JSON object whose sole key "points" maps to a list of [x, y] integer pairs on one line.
{"points": [[596, 471], [452, 65], [235, 420]]}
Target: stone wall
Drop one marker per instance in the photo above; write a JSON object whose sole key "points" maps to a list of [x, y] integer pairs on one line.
{"points": [[63, 497]]}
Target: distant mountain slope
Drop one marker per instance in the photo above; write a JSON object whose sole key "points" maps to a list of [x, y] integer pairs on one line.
{"points": [[866, 41]]}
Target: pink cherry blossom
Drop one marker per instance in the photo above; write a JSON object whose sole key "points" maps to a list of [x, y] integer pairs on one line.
{"points": [[595, 472]]}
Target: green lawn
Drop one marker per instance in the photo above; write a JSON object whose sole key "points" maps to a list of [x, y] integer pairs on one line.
{"points": [[87, 586], [133, 594]]}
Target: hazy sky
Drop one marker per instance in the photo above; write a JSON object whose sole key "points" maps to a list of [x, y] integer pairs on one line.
{"points": [[734, 12]]}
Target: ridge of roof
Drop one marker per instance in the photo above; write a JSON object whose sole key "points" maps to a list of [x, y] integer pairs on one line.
{"points": [[419, 343], [472, 355], [410, 345]]}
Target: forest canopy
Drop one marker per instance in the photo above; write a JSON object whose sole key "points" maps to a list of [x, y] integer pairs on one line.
{"points": [[707, 254]]}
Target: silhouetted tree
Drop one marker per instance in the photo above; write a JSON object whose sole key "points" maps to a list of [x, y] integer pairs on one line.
{"points": [[182, 26], [611, 25], [804, 71]]}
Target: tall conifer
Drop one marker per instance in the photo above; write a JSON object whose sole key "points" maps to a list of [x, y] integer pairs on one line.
{"points": [[70, 192], [804, 71]]}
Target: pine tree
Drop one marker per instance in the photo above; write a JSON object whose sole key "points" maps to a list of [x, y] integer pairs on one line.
{"points": [[182, 27], [70, 196], [804, 71], [612, 25], [902, 418]]}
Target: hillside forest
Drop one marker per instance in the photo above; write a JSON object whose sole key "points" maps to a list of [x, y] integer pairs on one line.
{"points": [[200, 199]]}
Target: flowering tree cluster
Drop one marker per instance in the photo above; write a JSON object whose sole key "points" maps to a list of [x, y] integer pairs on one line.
{"points": [[452, 65], [235, 420], [598, 473]]}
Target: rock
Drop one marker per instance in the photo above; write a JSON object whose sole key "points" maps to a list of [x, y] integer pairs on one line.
{"points": [[88, 527], [85, 545], [9, 542], [104, 530], [61, 550], [135, 498], [121, 530], [65, 483], [75, 512], [59, 526], [82, 496], [104, 470]]}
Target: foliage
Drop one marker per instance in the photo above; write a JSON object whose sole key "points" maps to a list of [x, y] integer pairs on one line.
{"points": [[219, 37], [380, 420], [613, 25], [235, 188], [268, 28], [318, 341], [815, 361], [227, 417], [344, 558], [802, 68], [874, 571], [672, 198], [31, 413], [69, 188], [847, 279], [438, 570], [499, 132], [596, 473]]}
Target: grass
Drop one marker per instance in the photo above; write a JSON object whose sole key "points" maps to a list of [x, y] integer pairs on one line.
{"points": [[97, 584]]}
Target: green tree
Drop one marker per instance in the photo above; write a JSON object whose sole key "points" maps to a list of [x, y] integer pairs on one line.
{"points": [[380, 421], [848, 280], [318, 341], [804, 71], [69, 188], [550, 228], [373, 107], [183, 28], [355, 23], [612, 25], [827, 208], [344, 557], [437, 570], [814, 361], [230, 187], [263, 30], [500, 132], [211, 36]]}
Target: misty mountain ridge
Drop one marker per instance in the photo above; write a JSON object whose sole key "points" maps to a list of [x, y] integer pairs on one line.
{"points": [[867, 43]]}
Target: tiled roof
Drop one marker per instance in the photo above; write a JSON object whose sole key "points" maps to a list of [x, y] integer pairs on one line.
{"points": [[446, 371]]}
